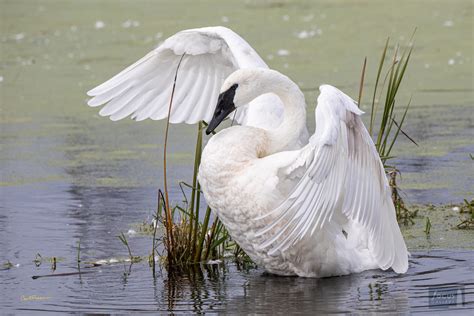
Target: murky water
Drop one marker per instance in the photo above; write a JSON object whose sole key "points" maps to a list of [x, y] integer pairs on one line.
{"points": [[124, 288], [67, 174]]}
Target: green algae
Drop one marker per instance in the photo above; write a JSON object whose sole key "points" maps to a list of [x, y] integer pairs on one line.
{"points": [[443, 233]]}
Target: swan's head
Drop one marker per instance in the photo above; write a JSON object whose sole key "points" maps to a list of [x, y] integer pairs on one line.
{"points": [[241, 87]]}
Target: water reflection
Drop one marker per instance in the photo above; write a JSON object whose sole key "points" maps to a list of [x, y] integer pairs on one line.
{"points": [[226, 288]]}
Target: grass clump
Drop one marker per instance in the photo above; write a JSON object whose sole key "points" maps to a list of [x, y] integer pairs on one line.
{"points": [[468, 209], [6, 265], [385, 134], [194, 241]]}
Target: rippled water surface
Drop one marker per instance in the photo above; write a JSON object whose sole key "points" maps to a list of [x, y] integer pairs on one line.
{"points": [[214, 288], [67, 174]]}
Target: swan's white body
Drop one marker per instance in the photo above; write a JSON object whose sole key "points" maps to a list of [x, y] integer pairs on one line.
{"points": [[318, 210]]}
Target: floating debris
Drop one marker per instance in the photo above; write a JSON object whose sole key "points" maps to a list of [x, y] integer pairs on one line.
{"points": [[34, 277], [99, 24], [101, 262], [283, 52], [451, 61], [448, 23], [304, 34], [285, 18], [130, 23], [225, 19], [19, 36]]}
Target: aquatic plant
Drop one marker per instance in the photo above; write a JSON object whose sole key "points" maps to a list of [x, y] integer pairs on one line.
{"points": [[194, 241], [78, 253], [467, 208], [427, 229], [7, 265], [389, 128], [39, 259], [124, 240]]}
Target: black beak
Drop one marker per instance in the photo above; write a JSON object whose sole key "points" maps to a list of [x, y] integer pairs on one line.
{"points": [[225, 106]]}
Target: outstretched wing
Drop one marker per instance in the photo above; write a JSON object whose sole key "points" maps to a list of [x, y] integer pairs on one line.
{"points": [[343, 175], [143, 89]]}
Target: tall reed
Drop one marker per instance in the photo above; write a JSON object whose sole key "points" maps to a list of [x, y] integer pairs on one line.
{"points": [[383, 110], [194, 240]]}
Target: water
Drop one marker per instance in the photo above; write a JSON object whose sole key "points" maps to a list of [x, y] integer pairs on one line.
{"points": [[67, 174], [214, 288]]}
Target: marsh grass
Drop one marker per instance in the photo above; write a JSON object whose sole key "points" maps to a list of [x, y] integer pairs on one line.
{"points": [[427, 229], [6, 265], [466, 209], [194, 241], [124, 241], [390, 73]]}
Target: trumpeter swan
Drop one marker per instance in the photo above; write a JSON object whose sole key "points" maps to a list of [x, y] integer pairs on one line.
{"points": [[310, 209], [322, 210]]}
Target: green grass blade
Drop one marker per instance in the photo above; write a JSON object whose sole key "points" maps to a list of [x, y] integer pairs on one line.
{"points": [[379, 71]]}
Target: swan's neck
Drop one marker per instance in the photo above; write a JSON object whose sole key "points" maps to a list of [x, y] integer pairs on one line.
{"points": [[294, 116]]}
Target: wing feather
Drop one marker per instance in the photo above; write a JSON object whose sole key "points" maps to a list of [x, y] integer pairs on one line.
{"points": [[143, 89], [205, 92], [344, 176]]}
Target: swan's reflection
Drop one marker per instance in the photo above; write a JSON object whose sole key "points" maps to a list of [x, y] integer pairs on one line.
{"points": [[235, 290]]}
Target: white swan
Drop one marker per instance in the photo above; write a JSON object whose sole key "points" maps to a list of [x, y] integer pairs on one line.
{"points": [[324, 209], [319, 211]]}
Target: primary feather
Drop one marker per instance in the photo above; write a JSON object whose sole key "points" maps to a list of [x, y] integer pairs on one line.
{"points": [[143, 90], [344, 176]]}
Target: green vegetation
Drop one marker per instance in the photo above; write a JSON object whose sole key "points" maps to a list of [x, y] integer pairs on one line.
{"points": [[193, 241], [124, 240], [6, 265], [389, 127], [39, 259], [427, 226], [468, 209]]}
